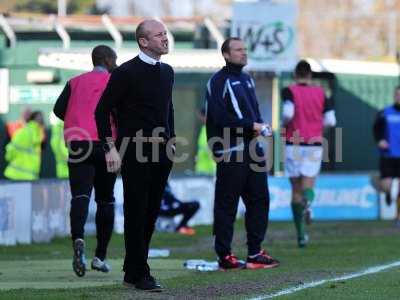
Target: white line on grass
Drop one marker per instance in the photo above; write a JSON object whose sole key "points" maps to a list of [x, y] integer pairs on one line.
{"points": [[312, 284]]}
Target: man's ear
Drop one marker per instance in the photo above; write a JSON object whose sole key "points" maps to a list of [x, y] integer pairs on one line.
{"points": [[143, 42], [225, 55], [109, 63]]}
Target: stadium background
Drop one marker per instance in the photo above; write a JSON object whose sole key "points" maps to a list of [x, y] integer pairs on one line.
{"points": [[353, 94], [352, 47]]}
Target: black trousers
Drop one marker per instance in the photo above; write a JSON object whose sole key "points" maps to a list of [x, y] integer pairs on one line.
{"points": [[246, 179], [87, 170], [389, 167], [186, 209], [144, 184]]}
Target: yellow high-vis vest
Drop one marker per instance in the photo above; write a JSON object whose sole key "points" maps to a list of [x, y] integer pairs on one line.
{"points": [[59, 149], [23, 153], [204, 161]]}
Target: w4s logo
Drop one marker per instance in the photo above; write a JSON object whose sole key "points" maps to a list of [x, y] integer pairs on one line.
{"points": [[267, 41]]}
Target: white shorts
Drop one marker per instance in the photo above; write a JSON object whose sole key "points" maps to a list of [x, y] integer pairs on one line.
{"points": [[302, 160]]}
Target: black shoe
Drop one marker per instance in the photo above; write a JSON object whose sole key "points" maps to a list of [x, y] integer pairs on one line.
{"points": [[79, 260], [128, 284], [230, 262], [149, 284], [261, 261], [128, 281]]}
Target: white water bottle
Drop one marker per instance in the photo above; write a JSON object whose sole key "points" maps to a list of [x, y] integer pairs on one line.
{"points": [[208, 267], [153, 253], [266, 130], [192, 264], [201, 265]]}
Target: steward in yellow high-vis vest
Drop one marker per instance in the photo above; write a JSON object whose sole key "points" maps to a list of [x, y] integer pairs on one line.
{"points": [[59, 149], [204, 162], [23, 152]]}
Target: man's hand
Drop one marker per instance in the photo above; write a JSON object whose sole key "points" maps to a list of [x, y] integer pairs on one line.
{"points": [[257, 127], [383, 144], [262, 129], [113, 160]]}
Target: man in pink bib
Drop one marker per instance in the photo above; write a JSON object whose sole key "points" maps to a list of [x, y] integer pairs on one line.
{"points": [[86, 163], [305, 112]]}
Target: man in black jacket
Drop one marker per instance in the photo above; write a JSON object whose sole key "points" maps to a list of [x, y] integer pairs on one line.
{"points": [[140, 94], [234, 117]]}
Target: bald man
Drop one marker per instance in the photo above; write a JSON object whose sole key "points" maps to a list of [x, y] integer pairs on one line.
{"points": [[140, 93]]}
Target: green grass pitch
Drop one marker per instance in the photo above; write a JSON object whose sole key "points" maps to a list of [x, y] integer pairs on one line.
{"points": [[43, 271]]}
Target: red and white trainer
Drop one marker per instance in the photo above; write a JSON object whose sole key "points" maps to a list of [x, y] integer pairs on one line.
{"points": [[229, 262], [261, 260]]}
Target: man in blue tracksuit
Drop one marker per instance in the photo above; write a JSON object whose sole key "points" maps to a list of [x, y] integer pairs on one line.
{"points": [[387, 137], [233, 123]]}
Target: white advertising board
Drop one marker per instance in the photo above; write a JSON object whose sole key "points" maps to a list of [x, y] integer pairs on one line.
{"points": [[269, 31], [15, 213]]}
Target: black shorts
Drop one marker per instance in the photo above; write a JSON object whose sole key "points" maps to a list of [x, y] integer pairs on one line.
{"points": [[389, 167]]}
